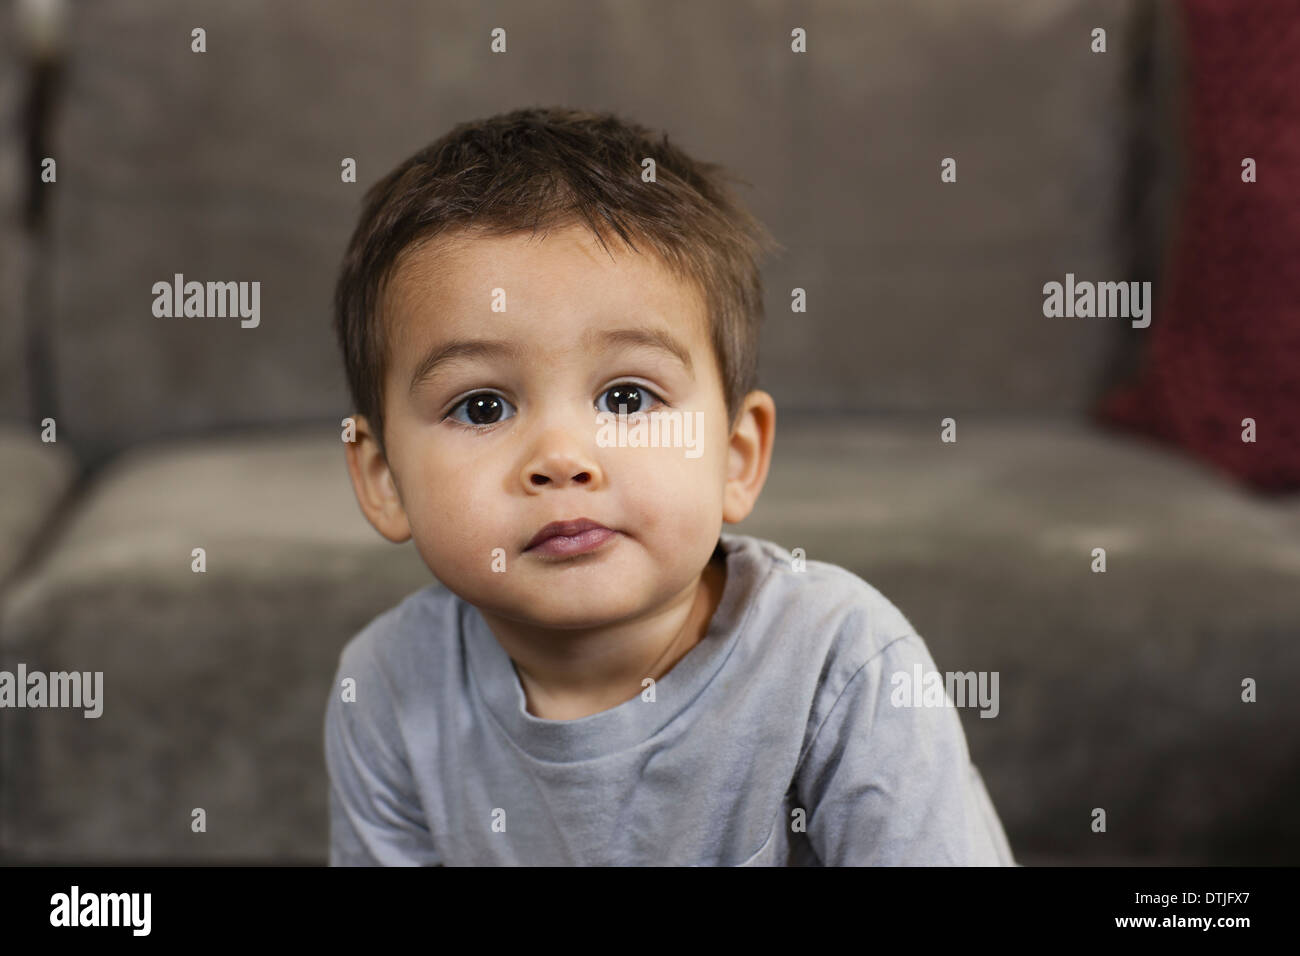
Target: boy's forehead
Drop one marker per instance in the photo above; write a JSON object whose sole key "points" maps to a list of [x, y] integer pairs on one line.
{"points": [[455, 283]]}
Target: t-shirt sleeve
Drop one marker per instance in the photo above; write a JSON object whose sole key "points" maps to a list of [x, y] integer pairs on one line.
{"points": [[374, 808], [894, 785]]}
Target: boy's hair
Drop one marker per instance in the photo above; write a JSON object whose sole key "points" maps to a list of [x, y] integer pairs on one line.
{"points": [[539, 168]]}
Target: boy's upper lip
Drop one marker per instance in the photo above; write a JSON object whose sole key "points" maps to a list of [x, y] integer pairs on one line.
{"points": [[570, 527]]}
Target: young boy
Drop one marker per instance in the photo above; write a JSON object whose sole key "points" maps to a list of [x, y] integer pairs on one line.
{"points": [[601, 675]]}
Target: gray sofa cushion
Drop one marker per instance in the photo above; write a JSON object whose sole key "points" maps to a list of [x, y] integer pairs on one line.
{"points": [[224, 166], [1119, 690], [214, 683], [34, 477]]}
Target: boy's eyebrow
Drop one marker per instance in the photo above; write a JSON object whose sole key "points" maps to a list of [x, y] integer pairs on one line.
{"points": [[462, 349]]}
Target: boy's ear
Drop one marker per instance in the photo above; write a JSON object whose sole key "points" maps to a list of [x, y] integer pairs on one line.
{"points": [[749, 454], [374, 485]]}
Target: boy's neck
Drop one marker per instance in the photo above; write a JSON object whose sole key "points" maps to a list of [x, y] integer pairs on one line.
{"points": [[567, 675]]}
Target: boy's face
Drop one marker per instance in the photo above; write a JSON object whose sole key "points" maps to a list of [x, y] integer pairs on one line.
{"points": [[473, 482]]}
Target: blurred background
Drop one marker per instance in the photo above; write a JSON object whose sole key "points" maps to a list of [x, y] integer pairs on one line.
{"points": [[130, 440]]}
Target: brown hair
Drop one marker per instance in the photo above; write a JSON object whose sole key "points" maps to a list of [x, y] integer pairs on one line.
{"points": [[548, 167]]}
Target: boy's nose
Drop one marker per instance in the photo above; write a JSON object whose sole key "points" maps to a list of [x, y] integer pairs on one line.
{"points": [[560, 459], [541, 478]]}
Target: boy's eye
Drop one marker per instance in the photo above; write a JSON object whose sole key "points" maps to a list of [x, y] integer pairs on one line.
{"points": [[628, 398], [488, 408], [482, 408]]}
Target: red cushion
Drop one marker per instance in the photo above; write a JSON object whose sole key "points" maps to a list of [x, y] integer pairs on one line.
{"points": [[1224, 341]]}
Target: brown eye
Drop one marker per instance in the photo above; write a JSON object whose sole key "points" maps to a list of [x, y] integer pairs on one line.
{"points": [[628, 399], [481, 408]]}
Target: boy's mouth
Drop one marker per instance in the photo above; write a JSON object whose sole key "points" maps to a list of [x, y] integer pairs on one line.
{"points": [[575, 536]]}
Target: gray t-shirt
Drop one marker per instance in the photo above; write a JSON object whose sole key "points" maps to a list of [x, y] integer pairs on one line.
{"points": [[773, 741]]}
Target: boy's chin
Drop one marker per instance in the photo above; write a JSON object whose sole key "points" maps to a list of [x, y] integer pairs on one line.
{"points": [[561, 610]]}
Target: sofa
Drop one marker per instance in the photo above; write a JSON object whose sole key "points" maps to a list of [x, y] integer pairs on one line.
{"points": [[1119, 690]]}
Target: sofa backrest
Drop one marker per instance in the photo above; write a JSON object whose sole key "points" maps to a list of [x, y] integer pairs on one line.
{"points": [[921, 295]]}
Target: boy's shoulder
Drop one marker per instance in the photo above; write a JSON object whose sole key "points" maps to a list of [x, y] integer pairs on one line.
{"points": [[403, 639], [827, 609]]}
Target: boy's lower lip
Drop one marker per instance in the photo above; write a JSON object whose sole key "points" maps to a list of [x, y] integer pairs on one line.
{"points": [[562, 545]]}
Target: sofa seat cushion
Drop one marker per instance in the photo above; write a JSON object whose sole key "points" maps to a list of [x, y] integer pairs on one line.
{"points": [[215, 682], [34, 479]]}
